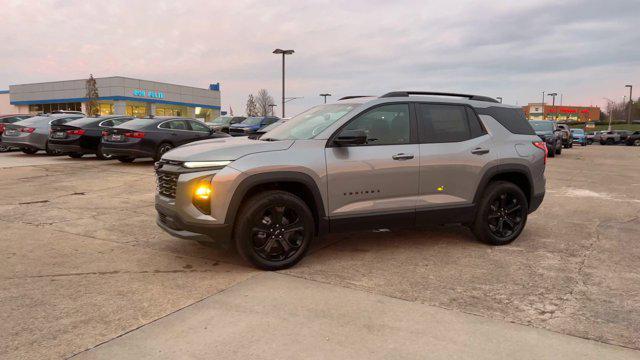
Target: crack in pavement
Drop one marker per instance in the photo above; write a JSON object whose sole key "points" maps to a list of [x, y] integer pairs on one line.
{"points": [[116, 272]]}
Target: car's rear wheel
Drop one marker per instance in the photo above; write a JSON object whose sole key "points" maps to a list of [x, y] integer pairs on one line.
{"points": [[125, 159], [162, 149], [29, 151], [274, 230], [559, 149], [636, 142], [50, 151], [610, 142], [101, 155], [501, 215], [76, 155], [551, 151]]}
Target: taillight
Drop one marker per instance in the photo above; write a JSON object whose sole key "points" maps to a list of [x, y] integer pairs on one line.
{"points": [[75, 132], [27, 130], [2, 127], [135, 135], [542, 146], [105, 133]]}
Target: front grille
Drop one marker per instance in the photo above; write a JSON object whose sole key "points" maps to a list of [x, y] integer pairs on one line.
{"points": [[167, 183]]}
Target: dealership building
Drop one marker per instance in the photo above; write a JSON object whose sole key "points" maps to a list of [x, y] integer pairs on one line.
{"points": [[540, 111], [116, 95]]}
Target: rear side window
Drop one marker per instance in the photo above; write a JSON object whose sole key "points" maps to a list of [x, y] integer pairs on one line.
{"points": [[196, 126], [441, 123], [513, 120]]}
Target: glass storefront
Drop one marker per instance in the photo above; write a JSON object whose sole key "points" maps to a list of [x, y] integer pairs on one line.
{"points": [[49, 108], [105, 109], [137, 109], [171, 110]]}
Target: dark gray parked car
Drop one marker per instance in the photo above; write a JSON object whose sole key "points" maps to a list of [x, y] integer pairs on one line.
{"points": [[548, 131], [404, 159], [32, 135]]}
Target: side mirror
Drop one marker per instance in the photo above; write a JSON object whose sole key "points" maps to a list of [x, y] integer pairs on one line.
{"points": [[351, 137]]}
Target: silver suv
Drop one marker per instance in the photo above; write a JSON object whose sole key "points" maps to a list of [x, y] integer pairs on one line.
{"points": [[404, 159]]}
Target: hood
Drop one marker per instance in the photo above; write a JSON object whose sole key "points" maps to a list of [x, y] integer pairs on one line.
{"points": [[544, 133], [228, 148], [243, 126]]}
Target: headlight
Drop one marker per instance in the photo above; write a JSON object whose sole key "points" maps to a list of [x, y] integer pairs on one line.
{"points": [[206, 164], [201, 197]]}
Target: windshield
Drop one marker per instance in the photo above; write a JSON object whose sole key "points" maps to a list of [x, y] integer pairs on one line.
{"points": [[310, 123], [221, 120], [272, 126], [251, 121], [577, 131], [542, 125]]}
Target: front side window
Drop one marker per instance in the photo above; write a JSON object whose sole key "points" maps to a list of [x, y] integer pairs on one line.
{"points": [[443, 123], [384, 125]]}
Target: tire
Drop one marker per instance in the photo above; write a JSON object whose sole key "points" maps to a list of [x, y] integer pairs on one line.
{"points": [[161, 150], [501, 215], [559, 149], [551, 152], [29, 151], [126, 159], [583, 144], [262, 221], [570, 145], [610, 142], [636, 142], [101, 155], [50, 152], [76, 155], [4, 148]]}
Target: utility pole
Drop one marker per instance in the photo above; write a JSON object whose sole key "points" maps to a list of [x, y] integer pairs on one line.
{"points": [[630, 102], [325, 97], [610, 106], [284, 53]]}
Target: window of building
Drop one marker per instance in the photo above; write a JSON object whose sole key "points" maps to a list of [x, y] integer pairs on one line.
{"points": [[49, 108], [137, 111], [105, 109]]}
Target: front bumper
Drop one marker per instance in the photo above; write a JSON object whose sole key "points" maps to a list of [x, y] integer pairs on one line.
{"points": [[172, 223], [536, 201]]}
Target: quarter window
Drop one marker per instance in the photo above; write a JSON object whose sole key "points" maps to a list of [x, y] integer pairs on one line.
{"points": [[384, 125], [447, 123]]}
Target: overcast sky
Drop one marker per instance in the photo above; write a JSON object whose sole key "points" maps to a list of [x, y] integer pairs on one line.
{"points": [[515, 49]]}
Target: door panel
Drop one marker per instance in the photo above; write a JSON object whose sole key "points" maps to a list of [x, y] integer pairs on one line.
{"points": [[367, 180]]}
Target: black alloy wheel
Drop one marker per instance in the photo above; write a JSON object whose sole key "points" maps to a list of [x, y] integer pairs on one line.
{"points": [[162, 149], [505, 215], [502, 214], [274, 230], [101, 155]]}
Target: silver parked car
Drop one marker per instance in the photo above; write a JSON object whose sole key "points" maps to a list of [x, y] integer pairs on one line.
{"points": [[31, 135], [404, 159]]}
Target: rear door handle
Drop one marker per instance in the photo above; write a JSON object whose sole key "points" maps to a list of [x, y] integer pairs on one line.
{"points": [[480, 151], [402, 156]]}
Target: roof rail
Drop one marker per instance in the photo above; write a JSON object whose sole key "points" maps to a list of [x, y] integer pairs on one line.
{"points": [[468, 96], [354, 97]]}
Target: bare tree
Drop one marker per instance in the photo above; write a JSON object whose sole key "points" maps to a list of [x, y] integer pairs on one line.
{"points": [[92, 96], [263, 100], [252, 107]]}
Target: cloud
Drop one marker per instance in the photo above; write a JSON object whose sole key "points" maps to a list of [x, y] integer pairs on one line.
{"points": [[584, 49]]}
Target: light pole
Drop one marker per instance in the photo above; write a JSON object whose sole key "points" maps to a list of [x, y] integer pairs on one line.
{"points": [[610, 104], [271, 106], [284, 53], [325, 97], [499, 98], [553, 95], [630, 102]]}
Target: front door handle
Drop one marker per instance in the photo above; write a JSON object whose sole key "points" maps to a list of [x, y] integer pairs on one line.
{"points": [[402, 156], [480, 151]]}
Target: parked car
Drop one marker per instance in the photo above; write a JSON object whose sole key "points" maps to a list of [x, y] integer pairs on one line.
{"points": [[222, 123], [83, 136], [9, 119], [251, 125], [594, 137], [153, 136], [633, 139], [402, 160], [266, 129], [614, 137], [32, 135], [579, 136], [549, 133], [567, 139]]}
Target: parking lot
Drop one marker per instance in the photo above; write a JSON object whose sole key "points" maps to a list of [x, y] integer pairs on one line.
{"points": [[84, 263]]}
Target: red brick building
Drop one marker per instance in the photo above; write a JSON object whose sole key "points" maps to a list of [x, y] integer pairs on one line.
{"points": [[538, 111]]}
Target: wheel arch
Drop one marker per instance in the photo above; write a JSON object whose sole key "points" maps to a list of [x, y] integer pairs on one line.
{"points": [[517, 174], [297, 183]]}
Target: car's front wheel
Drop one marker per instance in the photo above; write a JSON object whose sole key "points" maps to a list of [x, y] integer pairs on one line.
{"points": [[101, 155], [501, 215], [162, 149], [274, 230]]}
